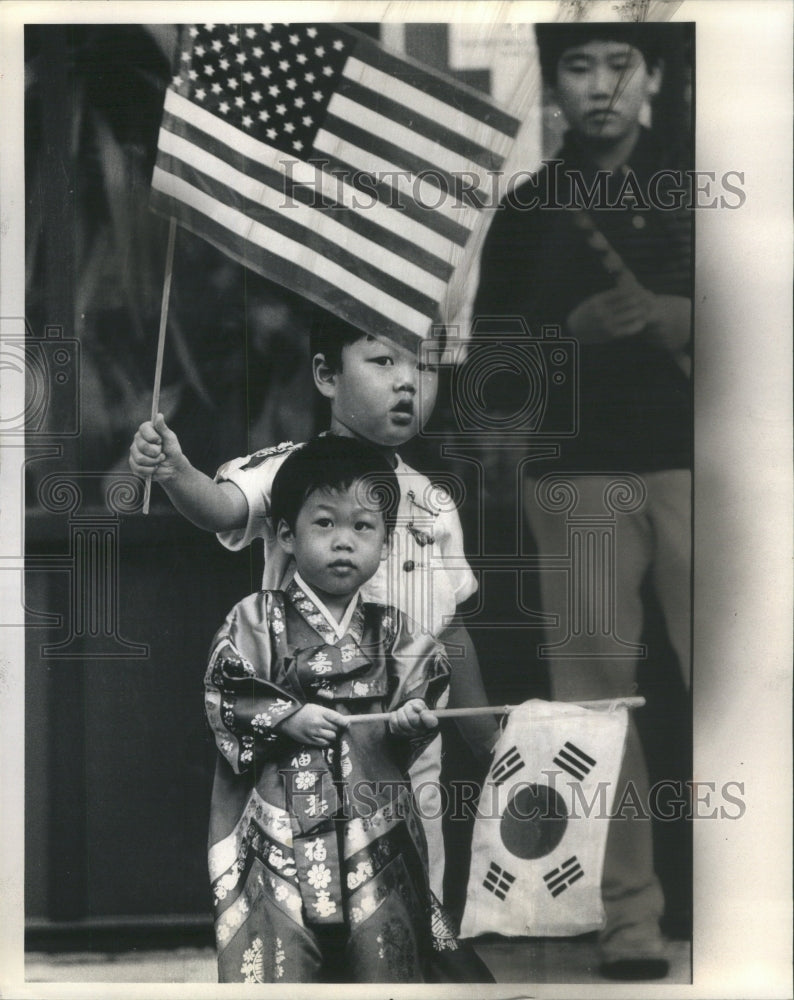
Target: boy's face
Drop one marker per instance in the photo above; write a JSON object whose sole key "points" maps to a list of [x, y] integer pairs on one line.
{"points": [[383, 393], [601, 88], [338, 542]]}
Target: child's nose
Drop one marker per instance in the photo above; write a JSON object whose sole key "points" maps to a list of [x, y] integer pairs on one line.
{"points": [[343, 539], [405, 376]]}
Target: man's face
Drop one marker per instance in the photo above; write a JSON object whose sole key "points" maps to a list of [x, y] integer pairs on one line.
{"points": [[602, 87], [383, 393], [339, 540]]}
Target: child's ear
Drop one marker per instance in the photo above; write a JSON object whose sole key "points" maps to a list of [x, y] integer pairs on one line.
{"points": [[286, 537], [655, 77], [324, 376]]}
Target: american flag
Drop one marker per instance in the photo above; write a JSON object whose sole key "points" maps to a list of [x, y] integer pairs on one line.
{"points": [[325, 163]]}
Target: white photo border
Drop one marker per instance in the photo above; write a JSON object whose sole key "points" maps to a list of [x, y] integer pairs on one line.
{"points": [[743, 491]]}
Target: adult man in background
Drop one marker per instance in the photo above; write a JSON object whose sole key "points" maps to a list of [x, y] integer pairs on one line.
{"points": [[587, 245]]}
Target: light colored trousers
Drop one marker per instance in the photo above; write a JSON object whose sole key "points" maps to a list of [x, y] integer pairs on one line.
{"points": [[425, 774], [654, 539]]}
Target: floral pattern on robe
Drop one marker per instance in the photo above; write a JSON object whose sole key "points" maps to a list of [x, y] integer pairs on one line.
{"points": [[303, 837]]}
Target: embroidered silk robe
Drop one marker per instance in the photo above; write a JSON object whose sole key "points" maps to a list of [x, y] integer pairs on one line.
{"points": [[310, 845]]}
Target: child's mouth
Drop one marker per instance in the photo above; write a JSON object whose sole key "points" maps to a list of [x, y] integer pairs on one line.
{"points": [[341, 566], [403, 413]]}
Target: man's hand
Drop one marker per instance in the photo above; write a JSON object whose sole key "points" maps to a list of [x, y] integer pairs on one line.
{"points": [[617, 312], [156, 452], [412, 719], [313, 724]]}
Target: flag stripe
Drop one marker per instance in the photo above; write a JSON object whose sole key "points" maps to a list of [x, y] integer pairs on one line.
{"points": [[506, 766], [256, 151], [447, 95], [573, 760], [426, 150], [283, 272], [580, 753], [566, 762], [400, 183], [403, 159], [566, 878], [364, 178], [319, 231], [452, 227], [411, 239], [376, 100], [507, 772], [355, 219], [287, 263], [508, 755]]}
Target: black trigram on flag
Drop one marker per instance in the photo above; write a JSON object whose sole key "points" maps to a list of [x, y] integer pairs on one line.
{"points": [[507, 765], [575, 761], [498, 881], [558, 879]]}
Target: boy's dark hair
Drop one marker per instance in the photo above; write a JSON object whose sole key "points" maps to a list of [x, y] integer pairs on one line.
{"points": [[328, 335], [331, 462], [554, 39]]}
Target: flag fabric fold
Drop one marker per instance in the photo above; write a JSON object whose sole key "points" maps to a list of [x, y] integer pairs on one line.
{"points": [[541, 829], [320, 160]]}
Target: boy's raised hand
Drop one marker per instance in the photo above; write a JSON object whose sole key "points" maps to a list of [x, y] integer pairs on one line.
{"points": [[412, 719], [155, 450], [313, 724]]}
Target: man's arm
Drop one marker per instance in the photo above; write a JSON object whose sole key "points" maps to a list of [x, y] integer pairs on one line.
{"points": [[670, 327], [466, 690]]}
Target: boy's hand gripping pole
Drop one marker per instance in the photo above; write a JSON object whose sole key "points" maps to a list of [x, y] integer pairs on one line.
{"points": [[158, 371]]}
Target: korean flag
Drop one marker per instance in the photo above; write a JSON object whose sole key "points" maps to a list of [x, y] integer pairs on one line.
{"points": [[541, 829]]}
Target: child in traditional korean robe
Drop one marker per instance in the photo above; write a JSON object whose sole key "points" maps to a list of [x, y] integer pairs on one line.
{"points": [[382, 393], [317, 859]]}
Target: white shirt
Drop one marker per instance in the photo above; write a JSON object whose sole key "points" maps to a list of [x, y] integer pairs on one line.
{"points": [[426, 575]]}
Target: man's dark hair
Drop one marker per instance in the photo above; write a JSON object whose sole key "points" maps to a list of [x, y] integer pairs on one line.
{"points": [[328, 335], [554, 39], [332, 462]]}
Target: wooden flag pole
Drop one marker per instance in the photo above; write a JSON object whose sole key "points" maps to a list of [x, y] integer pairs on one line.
{"points": [[456, 713], [158, 371]]}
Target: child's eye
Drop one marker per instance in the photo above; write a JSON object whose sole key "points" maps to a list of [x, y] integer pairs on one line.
{"points": [[383, 360], [364, 526], [577, 67], [323, 522]]}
